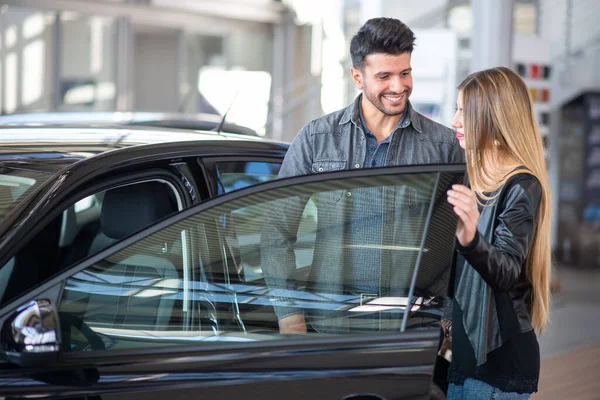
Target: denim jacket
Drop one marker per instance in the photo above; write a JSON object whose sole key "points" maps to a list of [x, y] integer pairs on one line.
{"points": [[337, 142]]}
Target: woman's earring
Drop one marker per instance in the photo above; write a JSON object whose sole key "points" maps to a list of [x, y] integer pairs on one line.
{"points": [[497, 144]]}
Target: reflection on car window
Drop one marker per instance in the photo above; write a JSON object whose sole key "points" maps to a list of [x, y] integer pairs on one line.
{"points": [[261, 257], [233, 175], [15, 184]]}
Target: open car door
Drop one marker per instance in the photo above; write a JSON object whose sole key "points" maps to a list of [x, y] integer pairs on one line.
{"points": [[189, 307]]}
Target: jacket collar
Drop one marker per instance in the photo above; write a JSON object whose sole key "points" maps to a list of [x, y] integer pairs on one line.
{"points": [[352, 114]]}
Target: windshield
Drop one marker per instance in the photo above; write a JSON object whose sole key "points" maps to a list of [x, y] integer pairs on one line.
{"points": [[16, 185]]}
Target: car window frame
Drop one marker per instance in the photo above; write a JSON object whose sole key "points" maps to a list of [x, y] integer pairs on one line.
{"points": [[23, 198], [209, 165], [53, 288]]}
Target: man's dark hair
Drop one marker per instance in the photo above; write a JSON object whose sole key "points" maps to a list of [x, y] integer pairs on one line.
{"points": [[381, 35]]}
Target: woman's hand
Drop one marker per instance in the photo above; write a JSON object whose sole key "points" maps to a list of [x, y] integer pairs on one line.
{"points": [[464, 201]]}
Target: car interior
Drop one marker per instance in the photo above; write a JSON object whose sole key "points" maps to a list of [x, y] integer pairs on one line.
{"points": [[84, 229], [98, 221], [154, 269]]}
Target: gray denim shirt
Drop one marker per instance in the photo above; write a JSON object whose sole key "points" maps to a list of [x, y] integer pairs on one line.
{"points": [[337, 142]]}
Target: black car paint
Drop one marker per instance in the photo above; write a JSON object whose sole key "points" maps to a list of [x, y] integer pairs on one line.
{"points": [[387, 365]]}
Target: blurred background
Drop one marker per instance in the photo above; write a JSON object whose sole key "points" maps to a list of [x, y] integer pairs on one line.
{"points": [[275, 65]]}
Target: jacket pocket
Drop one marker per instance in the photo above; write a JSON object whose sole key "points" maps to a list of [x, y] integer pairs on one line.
{"points": [[330, 196]]}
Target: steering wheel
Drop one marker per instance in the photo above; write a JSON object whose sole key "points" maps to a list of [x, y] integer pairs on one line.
{"points": [[93, 341]]}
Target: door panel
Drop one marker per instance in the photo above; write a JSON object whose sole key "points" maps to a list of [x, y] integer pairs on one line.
{"points": [[176, 307], [390, 366], [312, 371]]}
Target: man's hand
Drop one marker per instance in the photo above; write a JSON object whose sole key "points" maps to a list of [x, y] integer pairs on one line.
{"points": [[292, 325]]}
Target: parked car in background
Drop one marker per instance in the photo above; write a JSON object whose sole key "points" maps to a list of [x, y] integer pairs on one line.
{"points": [[191, 121], [131, 267]]}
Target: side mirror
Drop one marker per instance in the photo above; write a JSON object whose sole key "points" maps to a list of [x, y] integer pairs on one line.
{"points": [[31, 337]]}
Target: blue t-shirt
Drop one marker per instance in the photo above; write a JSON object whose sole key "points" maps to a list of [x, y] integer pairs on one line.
{"points": [[363, 255]]}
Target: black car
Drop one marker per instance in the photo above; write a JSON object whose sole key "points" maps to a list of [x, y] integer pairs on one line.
{"points": [[134, 270]]}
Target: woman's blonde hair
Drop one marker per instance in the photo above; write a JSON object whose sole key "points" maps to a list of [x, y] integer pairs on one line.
{"points": [[500, 125]]}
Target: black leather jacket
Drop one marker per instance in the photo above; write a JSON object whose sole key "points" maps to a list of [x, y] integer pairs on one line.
{"points": [[491, 284]]}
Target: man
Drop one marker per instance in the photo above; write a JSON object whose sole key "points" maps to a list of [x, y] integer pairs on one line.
{"points": [[379, 129]]}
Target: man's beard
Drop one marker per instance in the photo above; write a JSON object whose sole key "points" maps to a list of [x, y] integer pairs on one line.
{"points": [[378, 103]]}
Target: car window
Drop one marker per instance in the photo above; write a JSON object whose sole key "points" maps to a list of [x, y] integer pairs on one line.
{"points": [[233, 175], [102, 219], [317, 264], [85, 228], [15, 184]]}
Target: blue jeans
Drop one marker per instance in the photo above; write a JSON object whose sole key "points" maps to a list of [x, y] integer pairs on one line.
{"points": [[474, 389]]}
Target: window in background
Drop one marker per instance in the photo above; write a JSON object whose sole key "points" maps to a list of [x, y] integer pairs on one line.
{"points": [[87, 66], [200, 51], [244, 95], [235, 76], [25, 63], [525, 17]]}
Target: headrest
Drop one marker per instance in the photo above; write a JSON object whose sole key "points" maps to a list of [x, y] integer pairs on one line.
{"points": [[129, 209]]}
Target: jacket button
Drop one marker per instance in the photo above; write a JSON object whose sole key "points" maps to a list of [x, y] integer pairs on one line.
{"points": [[348, 194], [320, 169], [357, 165]]}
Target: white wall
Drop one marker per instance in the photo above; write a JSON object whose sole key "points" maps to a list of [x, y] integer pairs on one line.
{"points": [[407, 11], [554, 27], [155, 71], [250, 50], [534, 49], [434, 62], [573, 35]]}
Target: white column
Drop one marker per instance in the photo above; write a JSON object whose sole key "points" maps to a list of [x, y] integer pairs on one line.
{"points": [[554, 172], [124, 64], [492, 34], [284, 47]]}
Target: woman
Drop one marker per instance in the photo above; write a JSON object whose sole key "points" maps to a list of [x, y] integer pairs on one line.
{"points": [[501, 291]]}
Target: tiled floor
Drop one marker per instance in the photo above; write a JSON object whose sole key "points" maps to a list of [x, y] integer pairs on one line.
{"points": [[570, 345], [573, 375]]}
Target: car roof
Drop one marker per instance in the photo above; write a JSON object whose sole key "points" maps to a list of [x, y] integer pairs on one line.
{"points": [[52, 148], [195, 121], [53, 157]]}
